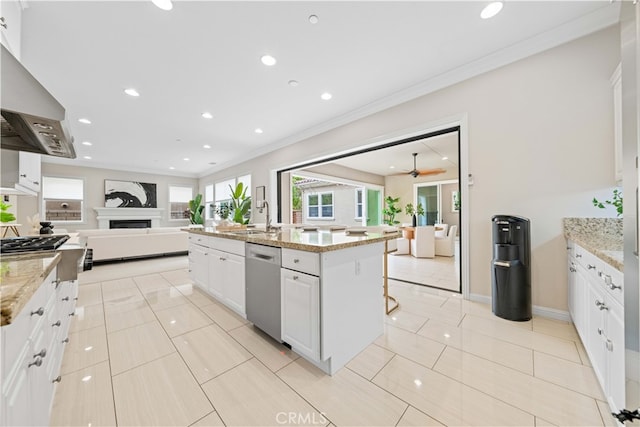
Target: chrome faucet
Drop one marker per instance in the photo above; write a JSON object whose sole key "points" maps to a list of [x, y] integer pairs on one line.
{"points": [[264, 204]]}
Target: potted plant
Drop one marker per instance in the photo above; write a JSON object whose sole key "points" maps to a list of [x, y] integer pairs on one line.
{"points": [[411, 211], [616, 202], [195, 211], [240, 204], [420, 210], [391, 210], [4, 215]]}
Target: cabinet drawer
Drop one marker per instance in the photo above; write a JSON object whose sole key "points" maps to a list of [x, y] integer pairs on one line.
{"points": [[613, 280], [198, 239], [306, 262], [227, 245]]}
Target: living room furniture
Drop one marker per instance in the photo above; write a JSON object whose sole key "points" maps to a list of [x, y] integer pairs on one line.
{"points": [[445, 246], [423, 243], [10, 227], [441, 230]]}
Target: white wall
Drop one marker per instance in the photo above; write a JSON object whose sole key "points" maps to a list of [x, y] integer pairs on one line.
{"points": [[94, 193], [540, 135]]}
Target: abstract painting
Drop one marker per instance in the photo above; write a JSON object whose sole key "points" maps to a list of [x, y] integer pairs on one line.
{"points": [[129, 194]]}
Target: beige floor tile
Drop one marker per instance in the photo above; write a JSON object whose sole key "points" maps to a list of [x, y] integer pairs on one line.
{"points": [[407, 304], [573, 376], [556, 328], [151, 282], [502, 352], [418, 294], [119, 270], [89, 294], [405, 320], [414, 347], [223, 316], [211, 420], [177, 277], [252, 395], [182, 318], [584, 358], [86, 317], [210, 351], [413, 417], [84, 398], [85, 348], [370, 360], [517, 335], [543, 423], [122, 316], [605, 413], [446, 400], [195, 295], [161, 299], [438, 271], [120, 291], [159, 393], [533, 395], [345, 398], [267, 350], [135, 346]]}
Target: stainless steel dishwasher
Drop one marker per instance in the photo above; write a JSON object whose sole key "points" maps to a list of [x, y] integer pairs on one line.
{"points": [[262, 275]]}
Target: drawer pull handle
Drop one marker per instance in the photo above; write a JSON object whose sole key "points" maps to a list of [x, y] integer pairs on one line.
{"points": [[296, 260], [608, 282], [609, 345], [73, 313], [66, 340], [591, 267], [57, 380], [578, 255], [56, 324], [37, 362], [65, 299], [295, 277], [39, 311], [56, 282], [601, 305], [571, 269], [613, 286], [600, 331], [42, 353]]}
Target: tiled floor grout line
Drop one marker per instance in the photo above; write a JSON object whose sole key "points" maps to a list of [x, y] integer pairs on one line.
{"points": [[106, 338]]}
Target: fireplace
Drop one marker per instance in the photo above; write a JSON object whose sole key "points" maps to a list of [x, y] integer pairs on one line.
{"points": [[107, 215], [130, 223]]}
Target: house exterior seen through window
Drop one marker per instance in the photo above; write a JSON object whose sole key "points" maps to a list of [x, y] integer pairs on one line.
{"points": [[320, 205], [62, 199], [179, 197], [359, 203]]}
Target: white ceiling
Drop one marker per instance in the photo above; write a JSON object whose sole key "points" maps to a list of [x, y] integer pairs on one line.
{"points": [[205, 56]]}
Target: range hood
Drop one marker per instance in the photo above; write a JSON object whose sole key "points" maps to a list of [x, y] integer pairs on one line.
{"points": [[32, 120]]}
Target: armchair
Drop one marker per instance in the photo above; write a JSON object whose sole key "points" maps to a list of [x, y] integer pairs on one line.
{"points": [[423, 243], [443, 232], [445, 246]]}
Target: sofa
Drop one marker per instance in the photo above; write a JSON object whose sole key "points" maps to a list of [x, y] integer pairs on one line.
{"points": [[124, 243]]}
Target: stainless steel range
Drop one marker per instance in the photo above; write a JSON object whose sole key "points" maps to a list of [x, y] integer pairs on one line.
{"points": [[75, 255]]}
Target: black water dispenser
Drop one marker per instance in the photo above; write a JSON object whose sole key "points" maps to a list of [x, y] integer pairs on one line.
{"points": [[511, 268]]}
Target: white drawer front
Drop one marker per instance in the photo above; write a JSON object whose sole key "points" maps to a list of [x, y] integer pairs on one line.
{"points": [[198, 239], [227, 245], [306, 262]]}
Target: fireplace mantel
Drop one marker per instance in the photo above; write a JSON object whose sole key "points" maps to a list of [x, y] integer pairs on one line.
{"points": [[107, 214]]}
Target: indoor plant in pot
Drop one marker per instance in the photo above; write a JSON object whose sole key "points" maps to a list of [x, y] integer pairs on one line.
{"points": [[391, 210], [240, 204], [411, 211], [195, 211]]}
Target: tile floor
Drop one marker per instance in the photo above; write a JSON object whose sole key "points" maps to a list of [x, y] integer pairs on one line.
{"points": [[440, 272], [147, 348]]}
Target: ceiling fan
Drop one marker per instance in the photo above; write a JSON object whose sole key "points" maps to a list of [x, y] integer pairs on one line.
{"points": [[416, 173]]}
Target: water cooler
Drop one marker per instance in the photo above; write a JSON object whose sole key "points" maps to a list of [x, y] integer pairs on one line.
{"points": [[511, 268]]}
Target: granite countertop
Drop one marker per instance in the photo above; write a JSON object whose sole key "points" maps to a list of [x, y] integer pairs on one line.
{"points": [[600, 236], [20, 278], [310, 241]]}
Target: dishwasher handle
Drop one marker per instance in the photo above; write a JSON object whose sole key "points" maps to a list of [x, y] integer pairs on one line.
{"points": [[262, 253], [262, 256]]}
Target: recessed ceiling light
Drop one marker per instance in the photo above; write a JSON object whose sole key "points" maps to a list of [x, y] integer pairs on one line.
{"points": [[87, 157], [293, 83], [212, 163], [313, 19], [258, 130], [186, 159], [491, 10], [86, 143], [207, 115], [85, 121], [268, 60], [171, 167], [206, 146], [326, 96], [445, 158], [392, 167], [86, 378], [163, 4], [131, 92]]}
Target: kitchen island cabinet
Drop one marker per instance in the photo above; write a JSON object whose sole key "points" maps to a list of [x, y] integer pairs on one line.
{"points": [[331, 289]]}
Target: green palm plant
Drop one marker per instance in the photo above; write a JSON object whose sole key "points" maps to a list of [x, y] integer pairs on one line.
{"points": [[195, 210], [240, 204], [4, 215]]}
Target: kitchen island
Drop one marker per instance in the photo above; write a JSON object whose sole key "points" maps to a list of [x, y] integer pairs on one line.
{"points": [[331, 285]]}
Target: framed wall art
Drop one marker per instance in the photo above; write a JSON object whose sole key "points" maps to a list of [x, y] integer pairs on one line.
{"points": [[129, 194]]}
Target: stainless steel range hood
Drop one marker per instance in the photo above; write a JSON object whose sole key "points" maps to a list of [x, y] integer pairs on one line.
{"points": [[32, 119]]}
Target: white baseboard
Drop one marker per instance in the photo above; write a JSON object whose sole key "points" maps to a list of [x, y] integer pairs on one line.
{"points": [[550, 313]]}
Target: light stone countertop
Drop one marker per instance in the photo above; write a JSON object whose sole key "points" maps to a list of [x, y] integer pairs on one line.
{"points": [[296, 238], [20, 277], [600, 236]]}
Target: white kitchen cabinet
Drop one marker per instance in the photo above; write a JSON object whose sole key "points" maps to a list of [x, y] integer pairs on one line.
{"points": [[300, 305], [616, 83], [234, 284], [12, 18], [216, 274], [595, 292], [198, 268], [21, 171]]}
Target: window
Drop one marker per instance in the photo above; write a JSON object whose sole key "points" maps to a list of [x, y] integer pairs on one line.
{"points": [[179, 201], [222, 193], [62, 199], [209, 202], [320, 205], [358, 203]]}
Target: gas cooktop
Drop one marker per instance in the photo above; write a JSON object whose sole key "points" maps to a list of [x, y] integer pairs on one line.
{"points": [[32, 244]]}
